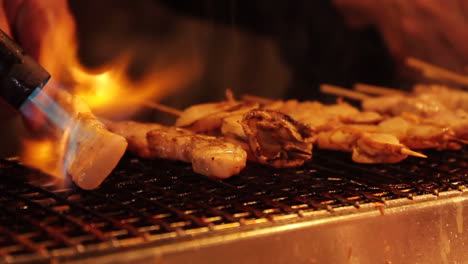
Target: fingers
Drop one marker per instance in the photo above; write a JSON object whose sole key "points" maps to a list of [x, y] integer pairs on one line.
{"points": [[388, 22], [33, 23], [31, 20], [11, 9], [425, 29], [463, 5], [3, 19], [451, 28], [6, 111]]}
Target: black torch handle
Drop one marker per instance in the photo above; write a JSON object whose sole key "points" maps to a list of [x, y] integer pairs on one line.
{"points": [[20, 74]]}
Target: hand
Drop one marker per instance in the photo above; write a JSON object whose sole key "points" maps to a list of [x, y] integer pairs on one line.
{"points": [[6, 112], [431, 30], [29, 22]]}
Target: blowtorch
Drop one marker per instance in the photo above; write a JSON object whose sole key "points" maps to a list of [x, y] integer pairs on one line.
{"points": [[22, 80], [20, 75], [87, 139]]}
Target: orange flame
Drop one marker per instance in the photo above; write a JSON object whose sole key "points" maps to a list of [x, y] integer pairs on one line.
{"points": [[109, 93], [42, 155]]}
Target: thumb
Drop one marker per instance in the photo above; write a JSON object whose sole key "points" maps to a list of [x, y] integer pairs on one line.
{"points": [[4, 25]]}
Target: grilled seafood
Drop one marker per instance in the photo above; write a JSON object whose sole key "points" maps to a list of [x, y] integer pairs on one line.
{"points": [[206, 118], [380, 148], [86, 140], [437, 113], [322, 117], [452, 99], [425, 105], [366, 144], [276, 139], [135, 134], [282, 133], [416, 134], [209, 155], [269, 137], [427, 101], [432, 107]]}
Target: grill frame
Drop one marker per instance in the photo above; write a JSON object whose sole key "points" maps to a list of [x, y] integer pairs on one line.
{"points": [[259, 193]]}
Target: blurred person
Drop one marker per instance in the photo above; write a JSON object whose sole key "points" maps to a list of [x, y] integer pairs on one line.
{"points": [[431, 30], [347, 41]]}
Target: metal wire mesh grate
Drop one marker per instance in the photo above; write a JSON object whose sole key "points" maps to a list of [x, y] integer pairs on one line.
{"points": [[148, 201]]}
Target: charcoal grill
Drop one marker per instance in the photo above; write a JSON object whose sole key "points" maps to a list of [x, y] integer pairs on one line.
{"points": [[330, 210]]}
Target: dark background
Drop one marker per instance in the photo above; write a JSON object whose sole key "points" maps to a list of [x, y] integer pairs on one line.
{"points": [[235, 39]]}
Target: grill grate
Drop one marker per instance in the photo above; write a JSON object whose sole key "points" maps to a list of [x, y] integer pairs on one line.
{"points": [[154, 201]]}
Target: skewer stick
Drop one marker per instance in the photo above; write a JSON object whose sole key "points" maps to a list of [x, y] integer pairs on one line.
{"points": [[163, 108], [339, 91], [458, 140], [257, 99], [435, 72], [410, 152], [376, 90]]}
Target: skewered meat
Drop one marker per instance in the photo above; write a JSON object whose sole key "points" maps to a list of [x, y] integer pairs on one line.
{"points": [[424, 105], [212, 123], [426, 101], [209, 155], [380, 148], [343, 137], [276, 139], [322, 117], [428, 112], [437, 116], [86, 141], [365, 143], [451, 98], [195, 113], [418, 135], [135, 134], [271, 136]]}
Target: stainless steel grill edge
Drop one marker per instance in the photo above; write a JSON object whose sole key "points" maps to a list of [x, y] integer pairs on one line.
{"points": [[157, 211]]}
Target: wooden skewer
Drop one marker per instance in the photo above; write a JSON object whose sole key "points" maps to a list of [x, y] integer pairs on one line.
{"points": [[339, 91], [463, 141], [410, 152], [163, 108], [257, 99], [376, 90], [434, 72]]}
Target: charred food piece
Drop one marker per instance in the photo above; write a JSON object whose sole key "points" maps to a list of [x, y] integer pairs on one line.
{"points": [[276, 139]]}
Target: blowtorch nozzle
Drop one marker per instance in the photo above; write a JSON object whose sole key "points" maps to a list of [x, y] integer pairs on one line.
{"points": [[20, 75]]}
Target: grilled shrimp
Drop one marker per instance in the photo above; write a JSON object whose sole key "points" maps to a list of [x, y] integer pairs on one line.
{"points": [[209, 155], [366, 144]]}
